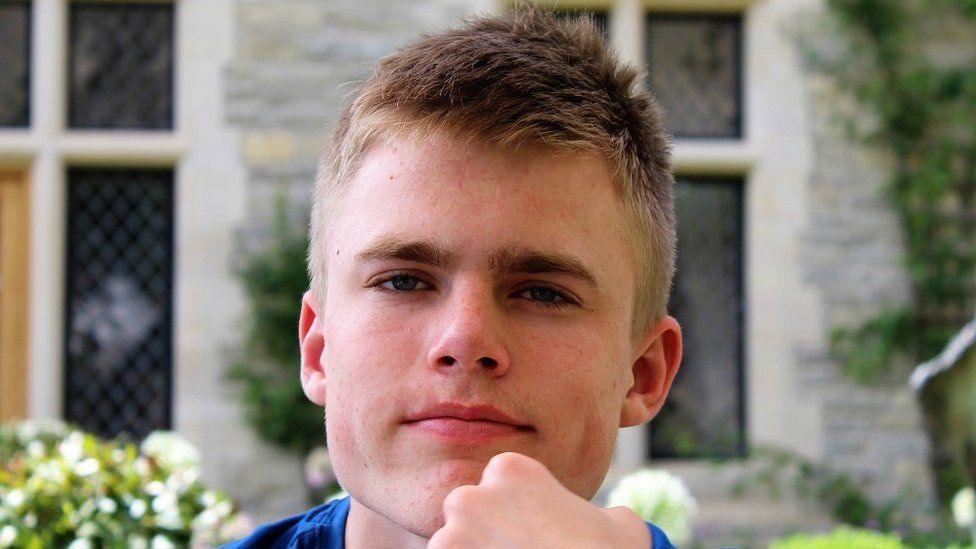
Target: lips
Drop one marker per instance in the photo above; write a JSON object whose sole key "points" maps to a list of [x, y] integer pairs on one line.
{"points": [[465, 422], [468, 412]]}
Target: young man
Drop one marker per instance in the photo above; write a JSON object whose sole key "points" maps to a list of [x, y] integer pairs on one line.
{"points": [[491, 254]]}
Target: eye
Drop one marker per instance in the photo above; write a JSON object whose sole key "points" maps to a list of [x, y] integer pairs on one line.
{"points": [[401, 283], [546, 296]]}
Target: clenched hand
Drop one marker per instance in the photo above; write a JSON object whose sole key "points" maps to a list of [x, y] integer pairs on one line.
{"points": [[520, 504]]}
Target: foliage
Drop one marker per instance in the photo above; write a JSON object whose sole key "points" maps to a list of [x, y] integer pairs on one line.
{"points": [[267, 366], [845, 499], [836, 492], [843, 537], [923, 115], [658, 497], [62, 487]]}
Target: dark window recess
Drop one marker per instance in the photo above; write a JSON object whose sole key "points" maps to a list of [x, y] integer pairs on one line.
{"points": [[704, 416], [15, 64], [118, 347], [599, 17], [694, 71], [121, 65]]}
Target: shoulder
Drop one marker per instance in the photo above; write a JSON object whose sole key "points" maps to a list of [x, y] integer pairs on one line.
{"points": [[322, 526], [658, 539]]}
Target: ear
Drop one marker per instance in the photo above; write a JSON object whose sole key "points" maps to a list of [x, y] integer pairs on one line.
{"points": [[653, 371], [311, 340]]}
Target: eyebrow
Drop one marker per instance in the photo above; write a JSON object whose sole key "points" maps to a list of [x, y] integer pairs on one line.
{"points": [[505, 261]]}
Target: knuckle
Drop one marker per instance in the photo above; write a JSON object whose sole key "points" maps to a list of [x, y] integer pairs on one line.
{"points": [[461, 498], [511, 463]]}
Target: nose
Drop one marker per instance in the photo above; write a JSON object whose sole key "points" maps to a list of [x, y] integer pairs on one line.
{"points": [[470, 336]]}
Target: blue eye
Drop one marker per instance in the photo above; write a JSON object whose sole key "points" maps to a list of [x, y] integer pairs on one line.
{"points": [[547, 297], [401, 283]]}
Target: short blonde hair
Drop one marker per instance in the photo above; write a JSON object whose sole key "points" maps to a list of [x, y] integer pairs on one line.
{"points": [[519, 78]]}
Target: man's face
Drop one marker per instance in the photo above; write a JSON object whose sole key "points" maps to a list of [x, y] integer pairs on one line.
{"points": [[463, 277]]}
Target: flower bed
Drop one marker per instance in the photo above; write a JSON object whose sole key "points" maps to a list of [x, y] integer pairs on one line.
{"points": [[61, 487]]}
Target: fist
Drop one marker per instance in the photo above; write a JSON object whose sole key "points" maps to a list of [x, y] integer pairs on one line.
{"points": [[520, 504]]}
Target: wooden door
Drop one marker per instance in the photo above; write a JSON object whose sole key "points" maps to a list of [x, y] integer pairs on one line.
{"points": [[14, 237]]}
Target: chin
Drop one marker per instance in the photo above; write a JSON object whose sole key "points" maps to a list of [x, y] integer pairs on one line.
{"points": [[414, 500]]}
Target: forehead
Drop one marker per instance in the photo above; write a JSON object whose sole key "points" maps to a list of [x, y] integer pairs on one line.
{"points": [[479, 198]]}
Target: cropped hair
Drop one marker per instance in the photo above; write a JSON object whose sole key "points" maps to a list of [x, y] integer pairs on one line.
{"points": [[524, 77]]}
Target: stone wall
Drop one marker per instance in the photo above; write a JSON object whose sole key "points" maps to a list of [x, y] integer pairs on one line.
{"points": [[852, 254]]}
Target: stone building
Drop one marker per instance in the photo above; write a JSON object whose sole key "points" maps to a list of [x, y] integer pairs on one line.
{"points": [[169, 127]]}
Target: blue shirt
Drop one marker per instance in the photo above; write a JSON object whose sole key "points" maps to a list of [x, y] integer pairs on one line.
{"points": [[324, 527]]}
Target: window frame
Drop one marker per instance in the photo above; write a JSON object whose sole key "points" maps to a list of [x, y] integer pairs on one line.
{"points": [[46, 149]]}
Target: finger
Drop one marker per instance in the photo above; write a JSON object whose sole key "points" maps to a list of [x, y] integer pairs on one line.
{"points": [[460, 502], [509, 467], [445, 538]]}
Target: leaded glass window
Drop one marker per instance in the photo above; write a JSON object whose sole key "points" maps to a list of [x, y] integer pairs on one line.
{"points": [[118, 348], [121, 65], [14, 64], [693, 70], [704, 415]]}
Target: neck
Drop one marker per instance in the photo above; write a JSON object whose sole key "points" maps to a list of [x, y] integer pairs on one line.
{"points": [[366, 528]]}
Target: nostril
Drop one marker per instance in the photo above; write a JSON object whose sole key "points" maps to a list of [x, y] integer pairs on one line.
{"points": [[448, 360], [488, 362]]}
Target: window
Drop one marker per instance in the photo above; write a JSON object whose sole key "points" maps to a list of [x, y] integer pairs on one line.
{"points": [[15, 20], [121, 65], [704, 414], [119, 233], [693, 66], [118, 300]]}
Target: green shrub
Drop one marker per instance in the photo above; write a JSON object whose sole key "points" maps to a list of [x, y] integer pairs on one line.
{"points": [[841, 538], [61, 487]]}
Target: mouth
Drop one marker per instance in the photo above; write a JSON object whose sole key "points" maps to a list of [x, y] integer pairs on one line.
{"points": [[461, 423]]}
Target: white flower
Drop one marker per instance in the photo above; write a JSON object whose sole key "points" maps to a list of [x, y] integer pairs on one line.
{"points": [[27, 430], [107, 506], [35, 449], [137, 542], [208, 499], [141, 465], [15, 498], [206, 519], [137, 508], [964, 508], [81, 543], [224, 508], [50, 471], [170, 450], [155, 488], [658, 497], [71, 448], [164, 503], [87, 530], [87, 509], [30, 520], [182, 479], [8, 535], [160, 541], [170, 520], [88, 466]]}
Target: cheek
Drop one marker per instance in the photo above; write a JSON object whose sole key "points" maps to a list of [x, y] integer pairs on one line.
{"points": [[582, 388]]}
